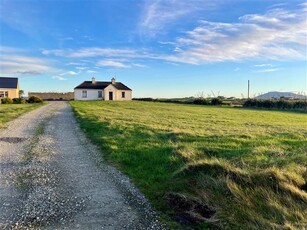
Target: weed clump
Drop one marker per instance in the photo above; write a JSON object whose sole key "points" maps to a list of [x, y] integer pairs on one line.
{"points": [[35, 99], [6, 100], [19, 101], [216, 101], [256, 198]]}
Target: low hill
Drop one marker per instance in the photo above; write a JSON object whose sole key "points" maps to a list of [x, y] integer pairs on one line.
{"points": [[277, 95]]}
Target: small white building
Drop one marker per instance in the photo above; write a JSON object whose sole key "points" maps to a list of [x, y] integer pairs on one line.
{"points": [[102, 90]]}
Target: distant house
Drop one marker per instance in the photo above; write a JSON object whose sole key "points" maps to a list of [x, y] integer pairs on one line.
{"points": [[9, 87], [103, 90]]}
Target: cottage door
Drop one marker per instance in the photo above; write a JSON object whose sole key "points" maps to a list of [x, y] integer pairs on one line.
{"points": [[110, 96]]}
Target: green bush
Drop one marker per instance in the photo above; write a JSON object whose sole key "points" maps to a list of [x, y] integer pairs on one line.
{"points": [[201, 101], [6, 100], [268, 104], [216, 101], [35, 99], [276, 104], [19, 101], [300, 105], [143, 99]]}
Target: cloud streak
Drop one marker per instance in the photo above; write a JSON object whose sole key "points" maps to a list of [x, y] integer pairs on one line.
{"points": [[59, 78], [112, 63], [277, 35], [159, 14], [268, 70], [93, 52], [14, 65]]}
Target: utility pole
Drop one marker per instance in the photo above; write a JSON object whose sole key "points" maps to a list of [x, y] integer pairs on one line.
{"points": [[248, 89]]}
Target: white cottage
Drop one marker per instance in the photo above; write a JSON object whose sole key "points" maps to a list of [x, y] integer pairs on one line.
{"points": [[102, 90]]}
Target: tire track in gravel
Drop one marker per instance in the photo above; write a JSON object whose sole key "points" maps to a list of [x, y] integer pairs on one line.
{"points": [[60, 181]]}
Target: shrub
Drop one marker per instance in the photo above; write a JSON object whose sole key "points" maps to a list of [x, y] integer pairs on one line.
{"points": [[276, 104], [267, 104], [216, 101], [35, 99], [143, 99], [250, 103], [200, 101], [300, 105], [6, 100], [19, 101]]}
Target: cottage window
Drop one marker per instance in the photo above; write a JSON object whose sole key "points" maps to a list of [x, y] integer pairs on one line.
{"points": [[99, 94], [4, 93], [123, 94], [84, 94]]}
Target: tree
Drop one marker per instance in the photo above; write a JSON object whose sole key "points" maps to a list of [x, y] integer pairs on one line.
{"points": [[21, 93]]}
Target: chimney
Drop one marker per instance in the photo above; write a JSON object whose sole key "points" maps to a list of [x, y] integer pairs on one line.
{"points": [[93, 80], [113, 80]]}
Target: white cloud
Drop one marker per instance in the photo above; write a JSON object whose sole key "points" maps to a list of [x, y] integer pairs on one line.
{"points": [[29, 72], [72, 73], [81, 68], [14, 65], [6, 49], [268, 70], [139, 65], [263, 65], [275, 35], [70, 63], [236, 69], [93, 52], [112, 63], [69, 73], [159, 14], [91, 71], [59, 78], [56, 52]]}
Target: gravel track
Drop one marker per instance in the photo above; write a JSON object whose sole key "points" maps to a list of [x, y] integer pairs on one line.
{"points": [[52, 177]]}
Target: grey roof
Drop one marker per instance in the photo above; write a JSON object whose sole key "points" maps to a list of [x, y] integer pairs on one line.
{"points": [[8, 82], [101, 85]]}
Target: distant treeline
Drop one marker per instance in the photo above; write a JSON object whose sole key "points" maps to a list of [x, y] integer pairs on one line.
{"points": [[276, 104], [249, 103]]}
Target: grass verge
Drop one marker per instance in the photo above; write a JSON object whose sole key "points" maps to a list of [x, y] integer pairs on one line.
{"points": [[207, 167], [9, 112]]}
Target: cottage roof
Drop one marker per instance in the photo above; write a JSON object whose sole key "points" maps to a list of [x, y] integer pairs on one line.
{"points": [[8, 82], [101, 85]]}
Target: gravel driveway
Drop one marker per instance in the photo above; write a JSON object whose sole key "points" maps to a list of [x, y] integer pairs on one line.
{"points": [[52, 177]]}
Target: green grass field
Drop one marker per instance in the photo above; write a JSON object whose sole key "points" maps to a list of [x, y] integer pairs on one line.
{"points": [[10, 111], [207, 167]]}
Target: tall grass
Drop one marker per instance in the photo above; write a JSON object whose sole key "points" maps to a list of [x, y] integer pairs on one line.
{"points": [[207, 167]]}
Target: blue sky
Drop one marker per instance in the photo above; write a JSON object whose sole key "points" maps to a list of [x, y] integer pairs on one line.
{"points": [[159, 48]]}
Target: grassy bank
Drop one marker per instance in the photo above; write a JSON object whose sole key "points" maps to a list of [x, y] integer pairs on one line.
{"points": [[10, 111], [209, 167]]}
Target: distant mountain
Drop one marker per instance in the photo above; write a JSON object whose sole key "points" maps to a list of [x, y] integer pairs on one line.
{"points": [[277, 95]]}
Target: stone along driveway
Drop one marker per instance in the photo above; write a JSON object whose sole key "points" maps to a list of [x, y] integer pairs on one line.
{"points": [[52, 177]]}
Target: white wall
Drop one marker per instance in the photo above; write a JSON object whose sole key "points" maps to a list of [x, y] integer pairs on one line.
{"points": [[128, 95], [92, 94], [110, 88]]}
